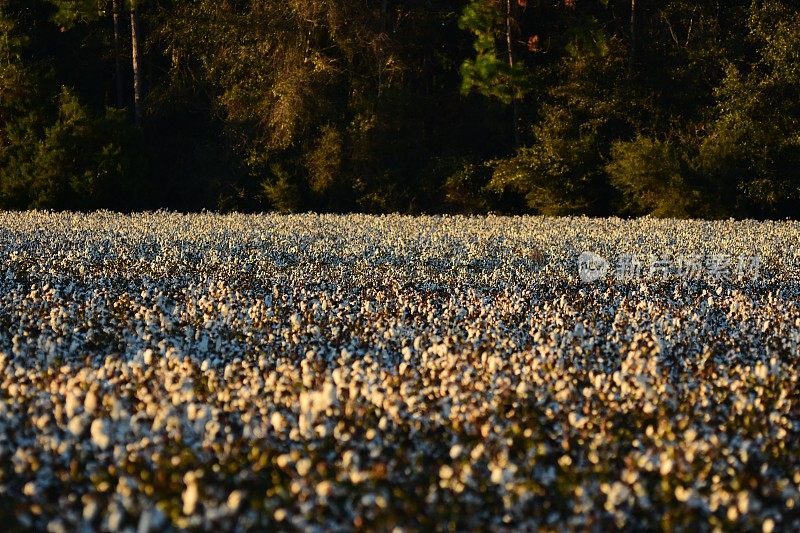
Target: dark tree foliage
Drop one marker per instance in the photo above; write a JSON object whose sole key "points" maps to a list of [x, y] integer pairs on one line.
{"points": [[659, 107]]}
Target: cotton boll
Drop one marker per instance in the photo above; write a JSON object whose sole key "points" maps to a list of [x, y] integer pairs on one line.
{"points": [[100, 433], [191, 493], [343, 355]]}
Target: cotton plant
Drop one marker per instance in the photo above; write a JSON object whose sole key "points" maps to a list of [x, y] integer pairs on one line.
{"points": [[168, 371]]}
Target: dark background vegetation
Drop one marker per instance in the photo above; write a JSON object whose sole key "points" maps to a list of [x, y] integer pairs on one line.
{"points": [[632, 107]]}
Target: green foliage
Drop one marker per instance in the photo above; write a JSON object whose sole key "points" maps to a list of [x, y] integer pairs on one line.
{"points": [[56, 152], [281, 190], [490, 72], [752, 150], [16, 85], [76, 161], [650, 174], [445, 105], [324, 161], [71, 12], [311, 86], [562, 170], [587, 38], [465, 188]]}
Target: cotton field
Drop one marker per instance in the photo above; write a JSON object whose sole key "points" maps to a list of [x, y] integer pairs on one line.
{"points": [[164, 371]]}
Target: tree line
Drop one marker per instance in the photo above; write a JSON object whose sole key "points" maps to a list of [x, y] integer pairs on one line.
{"points": [[630, 107]]}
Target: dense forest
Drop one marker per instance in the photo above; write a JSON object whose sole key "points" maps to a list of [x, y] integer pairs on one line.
{"points": [[685, 108]]}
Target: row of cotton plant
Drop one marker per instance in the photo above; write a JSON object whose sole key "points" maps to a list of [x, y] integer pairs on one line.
{"points": [[165, 371]]}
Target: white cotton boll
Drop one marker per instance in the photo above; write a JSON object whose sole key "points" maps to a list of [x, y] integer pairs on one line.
{"points": [[377, 398], [455, 451], [305, 423], [325, 398], [497, 474], [445, 472], [77, 425], [743, 502], [90, 403], [30, 489], [417, 345], [576, 420], [324, 489], [234, 500], [100, 432], [191, 493], [306, 401], [90, 509], [303, 466], [72, 403], [278, 422], [665, 466], [42, 422], [338, 377]]}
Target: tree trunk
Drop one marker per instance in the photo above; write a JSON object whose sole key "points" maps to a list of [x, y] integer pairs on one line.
{"points": [[510, 45], [118, 55], [137, 74], [634, 55]]}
